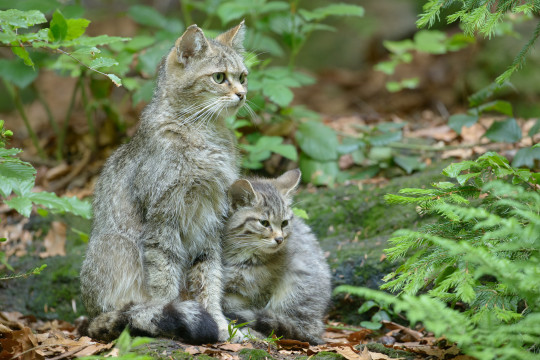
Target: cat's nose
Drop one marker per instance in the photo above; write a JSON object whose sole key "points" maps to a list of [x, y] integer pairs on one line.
{"points": [[241, 95], [279, 240]]}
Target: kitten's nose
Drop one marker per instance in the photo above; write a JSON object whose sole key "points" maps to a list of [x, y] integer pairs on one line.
{"points": [[240, 95], [279, 240]]}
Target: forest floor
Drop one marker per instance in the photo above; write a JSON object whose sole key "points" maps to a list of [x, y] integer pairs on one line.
{"points": [[346, 100]]}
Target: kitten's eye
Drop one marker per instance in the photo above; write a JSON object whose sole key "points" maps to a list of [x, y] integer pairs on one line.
{"points": [[218, 77], [242, 78], [284, 223], [265, 223]]}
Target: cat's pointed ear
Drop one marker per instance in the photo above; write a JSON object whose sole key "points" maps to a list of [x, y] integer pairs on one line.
{"points": [[242, 194], [288, 182], [191, 44], [234, 37]]}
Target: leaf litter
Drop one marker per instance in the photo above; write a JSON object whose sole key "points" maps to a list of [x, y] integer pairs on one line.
{"points": [[26, 337]]}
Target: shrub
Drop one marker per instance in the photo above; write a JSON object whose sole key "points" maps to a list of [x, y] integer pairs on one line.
{"points": [[477, 267]]}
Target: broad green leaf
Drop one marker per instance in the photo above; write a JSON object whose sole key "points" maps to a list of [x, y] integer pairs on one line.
{"points": [[535, 129], [526, 157], [385, 138], [317, 140], [500, 106], [23, 54], [274, 6], [430, 41], [87, 50], [409, 163], [340, 9], [76, 28], [140, 42], [463, 178], [59, 27], [21, 19], [371, 325], [504, 131], [380, 154], [318, 172], [453, 170], [62, 204], [301, 213], [17, 170], [457, 121], [459, 41], [115, 79], [398, 47], [278, 93], [95, 40], [387, 67], [148, 16], [22, 205], [232, 10], [103, 62], [8, 38], [393, 86]]}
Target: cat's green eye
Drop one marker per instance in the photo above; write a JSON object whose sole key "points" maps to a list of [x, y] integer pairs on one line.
{"points": [[218, 77], [265, 223], [242, 78], [284, 223]]}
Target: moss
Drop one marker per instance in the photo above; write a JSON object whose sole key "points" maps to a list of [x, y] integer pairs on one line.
{"points": [[254, 354], [353, 224], [326, 355], [380, 348]]}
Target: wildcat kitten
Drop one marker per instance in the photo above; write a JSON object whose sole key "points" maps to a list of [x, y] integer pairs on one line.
{"points": [[154, 258], [275, 273]]}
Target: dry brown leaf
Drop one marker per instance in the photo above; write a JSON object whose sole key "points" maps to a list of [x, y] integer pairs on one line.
{"points": [[55, 241], [417, 335], [192, 350], [350, 354], [289, 344], [464, 153], [231, 347], [93, 349], [359, 335]]}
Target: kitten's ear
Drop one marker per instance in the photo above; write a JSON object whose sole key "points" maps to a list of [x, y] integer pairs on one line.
{"points": [[288, 182], [234, 37], [242, 194], [191, 44]]}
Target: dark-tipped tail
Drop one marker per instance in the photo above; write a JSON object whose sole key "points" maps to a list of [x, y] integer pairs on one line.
{"points": [[182, 320]]}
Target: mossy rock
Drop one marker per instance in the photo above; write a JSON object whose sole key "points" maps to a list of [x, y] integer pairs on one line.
{"points": [[254, 354], [323, 355], [353, 224]]}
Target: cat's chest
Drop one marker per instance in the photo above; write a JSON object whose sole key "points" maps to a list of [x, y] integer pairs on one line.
{"points": [[255, 282]]}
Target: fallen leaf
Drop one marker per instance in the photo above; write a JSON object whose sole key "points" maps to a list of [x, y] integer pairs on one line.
{"points": [[231, 347], [192, 350], [289, 344], [350, 354], [359, 335]]}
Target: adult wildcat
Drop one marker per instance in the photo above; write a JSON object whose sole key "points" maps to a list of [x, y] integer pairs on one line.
{"points": [[154, 258], [275, 273]]}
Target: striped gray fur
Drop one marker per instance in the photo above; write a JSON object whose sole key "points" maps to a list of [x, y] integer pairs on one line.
{"points": [[154, 258], [280, 285]]}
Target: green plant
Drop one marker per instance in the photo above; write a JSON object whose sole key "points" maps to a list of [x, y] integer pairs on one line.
{"points": [[481, 257], [79, 56], [484, 17], [424, 41], [125, 345], [384, 312], [507, 130], [233, 328], [17, 178]]}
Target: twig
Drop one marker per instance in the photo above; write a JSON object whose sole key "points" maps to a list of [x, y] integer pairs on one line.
{"points": [[88, 114], [80, 62]]}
